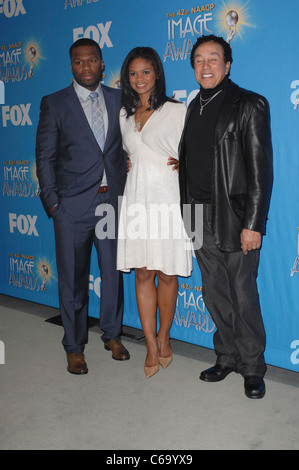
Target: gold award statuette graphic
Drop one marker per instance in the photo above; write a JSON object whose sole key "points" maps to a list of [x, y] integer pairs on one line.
{"points": [[32, 56], [295, 268], [232, 18], [45, 272]]}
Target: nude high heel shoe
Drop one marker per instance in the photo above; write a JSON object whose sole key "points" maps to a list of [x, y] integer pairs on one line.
{"points": [[164, 361], [150, 371]]}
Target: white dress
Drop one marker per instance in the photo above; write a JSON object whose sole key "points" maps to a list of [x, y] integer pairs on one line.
{"points": [[151, 231]]}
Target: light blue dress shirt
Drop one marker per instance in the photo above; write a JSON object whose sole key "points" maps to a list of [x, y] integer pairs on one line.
{"points": [[83, 95]]}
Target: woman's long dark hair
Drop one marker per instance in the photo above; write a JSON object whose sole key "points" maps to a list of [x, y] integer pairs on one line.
{"points": [[130, 97]]}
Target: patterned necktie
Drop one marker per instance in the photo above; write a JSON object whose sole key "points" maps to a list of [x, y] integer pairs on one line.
{"points": [[97, 122]]}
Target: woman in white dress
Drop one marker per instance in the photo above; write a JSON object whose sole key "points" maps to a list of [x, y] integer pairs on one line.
{"points": [[152, 239]]}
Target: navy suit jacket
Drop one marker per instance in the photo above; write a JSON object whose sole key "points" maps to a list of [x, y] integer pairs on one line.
{"points": [[69, 161]]}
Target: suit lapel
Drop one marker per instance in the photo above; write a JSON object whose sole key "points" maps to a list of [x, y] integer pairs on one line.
{"points": [[111, 110], [226, 111], [75, 107], [225, 114]]}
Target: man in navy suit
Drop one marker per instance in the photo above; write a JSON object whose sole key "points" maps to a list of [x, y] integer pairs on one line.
{"points": [[82, 170]]}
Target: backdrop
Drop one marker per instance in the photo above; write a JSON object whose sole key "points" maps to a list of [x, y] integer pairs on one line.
{"points": [[34, 44]]}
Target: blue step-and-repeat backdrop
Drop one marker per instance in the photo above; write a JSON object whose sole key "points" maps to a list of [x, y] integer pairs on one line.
{"points": [[34, 43]]}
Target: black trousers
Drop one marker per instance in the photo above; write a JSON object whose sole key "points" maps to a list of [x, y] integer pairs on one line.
{"points": [[231, 296]]}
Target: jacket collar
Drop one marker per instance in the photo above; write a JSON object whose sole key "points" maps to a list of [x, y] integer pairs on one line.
{"points": [[75, 107], [111, 107], [228, 107]]}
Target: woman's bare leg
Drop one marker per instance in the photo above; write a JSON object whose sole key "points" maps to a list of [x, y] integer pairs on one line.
{"points": [[167, 295], [146, 294]]}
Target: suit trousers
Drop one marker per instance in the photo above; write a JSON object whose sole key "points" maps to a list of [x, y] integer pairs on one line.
{"points": [[231, 296], [74, 238]]}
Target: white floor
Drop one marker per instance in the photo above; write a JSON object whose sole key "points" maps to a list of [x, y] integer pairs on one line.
{"points": [[115, 407]]}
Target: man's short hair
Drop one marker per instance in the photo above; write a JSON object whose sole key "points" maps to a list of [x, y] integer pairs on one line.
{"points": [[86, 42], [227, 50]]}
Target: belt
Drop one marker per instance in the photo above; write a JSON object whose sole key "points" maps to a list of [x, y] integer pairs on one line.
{"points": [[103, 189]]}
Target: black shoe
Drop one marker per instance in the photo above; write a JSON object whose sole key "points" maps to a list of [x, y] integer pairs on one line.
{"points": [[254, 386], [216, 373]]}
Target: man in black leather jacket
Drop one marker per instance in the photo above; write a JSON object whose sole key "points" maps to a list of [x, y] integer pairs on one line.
{"points": [[226, 166]]}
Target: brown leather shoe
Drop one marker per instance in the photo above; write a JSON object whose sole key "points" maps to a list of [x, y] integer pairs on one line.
{"points": [[76, 363], [119, 352]]}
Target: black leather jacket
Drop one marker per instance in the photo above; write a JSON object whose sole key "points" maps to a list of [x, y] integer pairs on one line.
{"points": [[243, 167]]}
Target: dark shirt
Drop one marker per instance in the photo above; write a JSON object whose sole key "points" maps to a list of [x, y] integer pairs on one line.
{"points": [[199, 142]]}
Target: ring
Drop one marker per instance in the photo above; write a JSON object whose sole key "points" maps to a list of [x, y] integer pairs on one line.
{"points": [[254, 247]]}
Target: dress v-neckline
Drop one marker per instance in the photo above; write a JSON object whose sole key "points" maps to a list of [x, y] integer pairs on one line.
{"points": [[139, 132]]}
